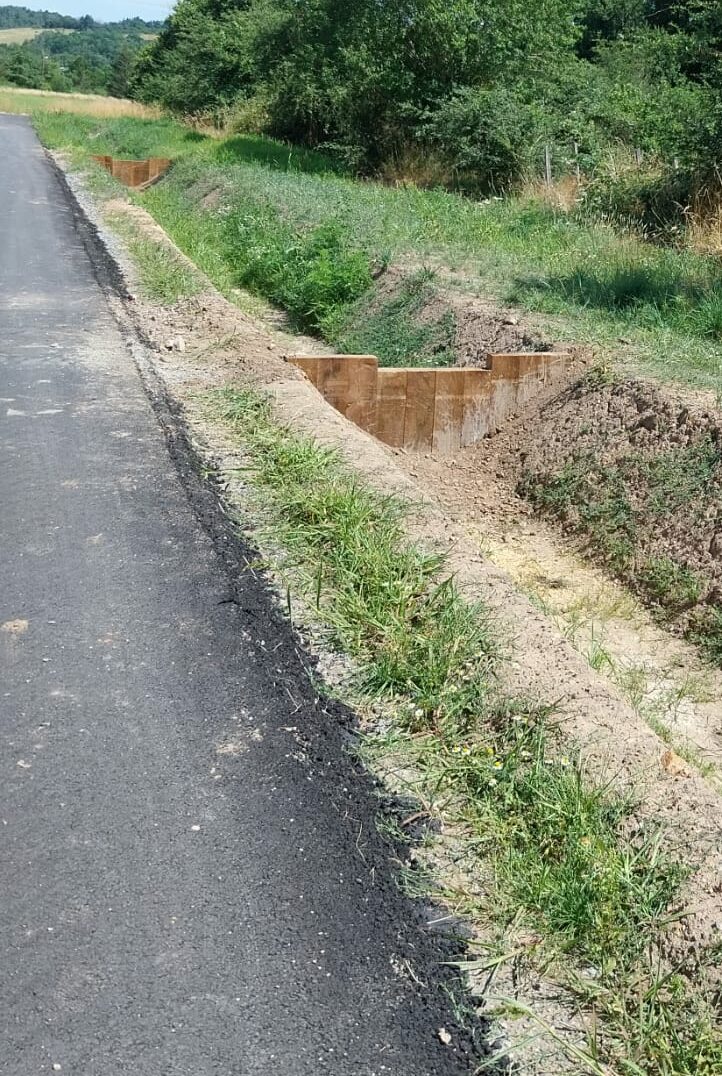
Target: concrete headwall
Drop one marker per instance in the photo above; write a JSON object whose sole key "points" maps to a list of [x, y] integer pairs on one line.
{"points": [[135, 173], [425, 409]]}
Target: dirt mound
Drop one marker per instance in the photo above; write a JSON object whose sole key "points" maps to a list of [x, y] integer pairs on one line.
{"points": [[482, 328], [414, 316], [636, 471]]}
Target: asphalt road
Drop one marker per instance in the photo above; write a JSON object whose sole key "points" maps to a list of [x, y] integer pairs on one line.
{"points": [[190, 877]]}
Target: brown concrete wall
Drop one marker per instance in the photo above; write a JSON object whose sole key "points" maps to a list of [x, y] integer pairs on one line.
{"points": [[424, 409], [135, 173]]}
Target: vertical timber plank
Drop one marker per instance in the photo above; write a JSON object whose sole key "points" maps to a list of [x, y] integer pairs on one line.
{"points": [[448, 411], [476, 418], [419, 410], [361, 391], [308, 364], [391, 406]]}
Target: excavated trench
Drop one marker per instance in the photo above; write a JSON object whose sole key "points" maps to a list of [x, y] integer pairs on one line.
{"points": [[475, 485], [135, 174]]}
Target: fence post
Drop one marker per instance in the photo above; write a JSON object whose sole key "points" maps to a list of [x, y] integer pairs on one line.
{"points": [[548, 165], [576, 160], [639, 157]]}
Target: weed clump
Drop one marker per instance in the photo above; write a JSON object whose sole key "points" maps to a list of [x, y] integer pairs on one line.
{"points": [[395, 331], [617, 506], [414, 634]]}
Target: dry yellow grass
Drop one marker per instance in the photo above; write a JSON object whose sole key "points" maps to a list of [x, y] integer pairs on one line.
{"points": [[412, 166], [28, 101], [18, 35], [563, 193], [704, 231]]}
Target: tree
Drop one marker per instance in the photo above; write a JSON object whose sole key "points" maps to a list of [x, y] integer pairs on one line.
{"points": [[120, 73]]}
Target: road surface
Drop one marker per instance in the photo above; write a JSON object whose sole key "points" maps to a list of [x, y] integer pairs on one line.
{"points": [[190, 878]]}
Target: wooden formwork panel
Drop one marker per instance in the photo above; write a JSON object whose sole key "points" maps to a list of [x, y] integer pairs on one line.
{"points": [[423, 409], [515, 365], [517, 378], [391, 406], [478, 387], [135, 173], [131, 173], [348, 382], [419, 409], [308, 364], [158, 166], [448, 410]]}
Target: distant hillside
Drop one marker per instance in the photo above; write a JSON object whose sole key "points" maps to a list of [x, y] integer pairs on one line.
{"points": [[23, 18], [44, 50], [46, 20]]}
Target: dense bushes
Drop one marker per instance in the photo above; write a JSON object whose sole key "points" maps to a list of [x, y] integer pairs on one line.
{"points": [[488, 136], [483, 84]]}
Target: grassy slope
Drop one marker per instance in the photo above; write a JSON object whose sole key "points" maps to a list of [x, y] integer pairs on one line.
{"points": [[550, 844], [587, 283]]}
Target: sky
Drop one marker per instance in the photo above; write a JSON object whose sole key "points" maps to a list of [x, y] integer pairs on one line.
{"points": [[104, 10]]}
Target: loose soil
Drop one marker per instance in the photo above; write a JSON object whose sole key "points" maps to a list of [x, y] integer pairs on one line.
{"points": [[467, 507], [478, 326], [663, 677]]}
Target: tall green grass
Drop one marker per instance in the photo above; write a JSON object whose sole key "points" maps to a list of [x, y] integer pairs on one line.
{"points": [[120, 137], [314, 275]]}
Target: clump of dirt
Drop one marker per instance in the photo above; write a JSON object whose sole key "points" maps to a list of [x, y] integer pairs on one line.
{"points": [[412, 317], [483, 328], [636, 471]]}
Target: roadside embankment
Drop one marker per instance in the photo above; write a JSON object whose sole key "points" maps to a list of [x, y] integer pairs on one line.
{"points": [[589, 869]]}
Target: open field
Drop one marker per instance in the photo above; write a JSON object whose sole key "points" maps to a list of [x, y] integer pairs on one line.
{"points": [[29, 102], [18, 35]]}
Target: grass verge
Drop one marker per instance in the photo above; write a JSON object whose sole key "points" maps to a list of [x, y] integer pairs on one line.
{"points": [[584, 280], [554, 847], [163, 276]]}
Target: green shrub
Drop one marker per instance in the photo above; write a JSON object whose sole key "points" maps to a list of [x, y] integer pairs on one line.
{"points": [[314, 275], [395, 331], [654, 199], [486, 134]]}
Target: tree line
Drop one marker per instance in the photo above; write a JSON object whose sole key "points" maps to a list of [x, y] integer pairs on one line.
{"points": [[481, 85], [13, 17]]}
